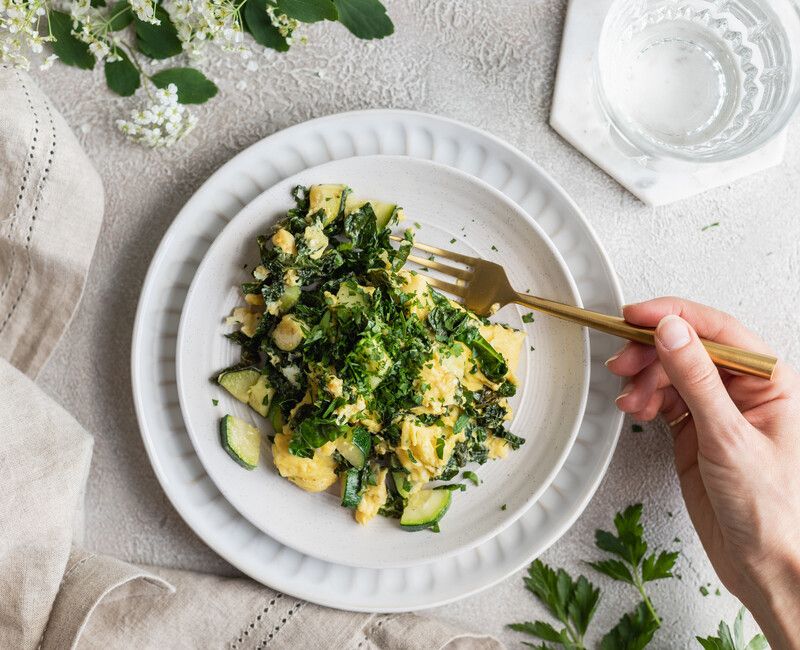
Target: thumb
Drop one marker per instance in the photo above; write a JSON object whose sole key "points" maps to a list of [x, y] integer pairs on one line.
{"points": [[693, 374]]}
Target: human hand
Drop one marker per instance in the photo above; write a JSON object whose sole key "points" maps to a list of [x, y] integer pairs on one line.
{"points": [[737, 452]]}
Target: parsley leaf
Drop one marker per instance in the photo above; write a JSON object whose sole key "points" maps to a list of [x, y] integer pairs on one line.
{"points": [[728, 639], [571, 602], [633, 631], [632, 564], [472, 476], [527, 318]]}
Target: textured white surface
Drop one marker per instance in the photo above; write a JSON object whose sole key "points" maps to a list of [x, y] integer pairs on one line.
{"points": [[578, 116], [489, 64]]}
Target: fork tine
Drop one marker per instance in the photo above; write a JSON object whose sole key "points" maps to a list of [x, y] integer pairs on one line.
{"points": [[461, 274], [442, 252], [444, 286]]}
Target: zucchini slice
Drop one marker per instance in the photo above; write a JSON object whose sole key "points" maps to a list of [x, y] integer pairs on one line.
{"points": [[242, 441], [355, 446], [384, 212], [401, 483], [425, 508], [350, 484], [238, 382], [260, 396], [328, 198], [276, 418]]}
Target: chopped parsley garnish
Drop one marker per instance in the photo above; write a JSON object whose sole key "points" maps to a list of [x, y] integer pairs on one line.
{"points": [[214, 401], [472, 476], [350, 352], [636, 428], [709, 226], [527, 318]]}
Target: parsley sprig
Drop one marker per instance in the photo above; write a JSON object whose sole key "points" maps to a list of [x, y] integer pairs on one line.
{"points": [[728, 639], [572, 602], [632, 564]]}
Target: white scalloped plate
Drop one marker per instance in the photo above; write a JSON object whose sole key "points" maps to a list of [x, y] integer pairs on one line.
{"points": [[174, 460], [448, 205]]}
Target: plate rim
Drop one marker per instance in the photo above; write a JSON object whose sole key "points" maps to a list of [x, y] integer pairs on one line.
{"points": [[186, 513], [584, 377]]}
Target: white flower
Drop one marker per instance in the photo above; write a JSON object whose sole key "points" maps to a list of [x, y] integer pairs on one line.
{"points": [[19, 31], [145, 10], [162, 122], [48, 62]]}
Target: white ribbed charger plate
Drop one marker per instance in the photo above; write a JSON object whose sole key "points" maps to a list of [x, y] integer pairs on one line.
{"points": [[177, 466]]}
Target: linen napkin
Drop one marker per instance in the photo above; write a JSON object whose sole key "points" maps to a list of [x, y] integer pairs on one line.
{"points": [[53, 593]]}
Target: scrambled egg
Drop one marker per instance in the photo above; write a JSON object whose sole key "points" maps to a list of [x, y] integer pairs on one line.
{"points": [[316, 240], [498, 448], [315, 474], [507, 342], [417, 449], [284, 240], [248, 320], [421, 302], [373, 499], [438, 381]]}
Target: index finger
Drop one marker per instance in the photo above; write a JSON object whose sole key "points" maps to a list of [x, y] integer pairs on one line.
{"points": [[711, 324]]}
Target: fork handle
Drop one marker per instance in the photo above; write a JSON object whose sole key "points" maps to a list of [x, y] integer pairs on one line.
{"points": [[724, 356]]}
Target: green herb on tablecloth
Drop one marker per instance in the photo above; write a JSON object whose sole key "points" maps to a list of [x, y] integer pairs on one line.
{"points": [[528, 318], [215, 402], [636, 428], [709, 226]]}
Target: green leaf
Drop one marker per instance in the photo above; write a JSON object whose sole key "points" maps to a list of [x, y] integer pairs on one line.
{"points": [[259, 25], [758, 642], [633, 631], [570, 601], [628, 543], [581, 608], [69, 49], [120, 16], [307, 11], [658, 567], [157, 41], [364, 18], [539, 629], [733, 640], [193, 86], [710, 643], [122, 76], [615, 569]]}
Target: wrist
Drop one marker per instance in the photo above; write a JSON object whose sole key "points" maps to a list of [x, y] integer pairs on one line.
{"points": [[774, 600]]}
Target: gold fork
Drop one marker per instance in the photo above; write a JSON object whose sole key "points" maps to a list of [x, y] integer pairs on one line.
{"points": [[484, 288]]}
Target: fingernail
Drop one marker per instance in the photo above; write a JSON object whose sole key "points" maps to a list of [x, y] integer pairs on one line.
{"points": [[627, 390], [673, 333], [616, 356]]}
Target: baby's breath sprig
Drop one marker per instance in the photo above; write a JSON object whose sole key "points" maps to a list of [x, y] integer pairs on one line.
{"points": [[128, 36]]}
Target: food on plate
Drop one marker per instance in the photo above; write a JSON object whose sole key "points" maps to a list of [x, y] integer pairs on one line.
{"points": [[370, 378]]}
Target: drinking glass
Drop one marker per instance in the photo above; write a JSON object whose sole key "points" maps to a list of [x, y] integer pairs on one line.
{"points": [[699, 80]]}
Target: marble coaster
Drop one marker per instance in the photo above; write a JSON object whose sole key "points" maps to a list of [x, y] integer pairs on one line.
{"points": [[577, 115]]}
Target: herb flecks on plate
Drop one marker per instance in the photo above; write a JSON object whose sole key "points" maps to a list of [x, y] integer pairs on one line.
{"points": [[369, 377]]}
